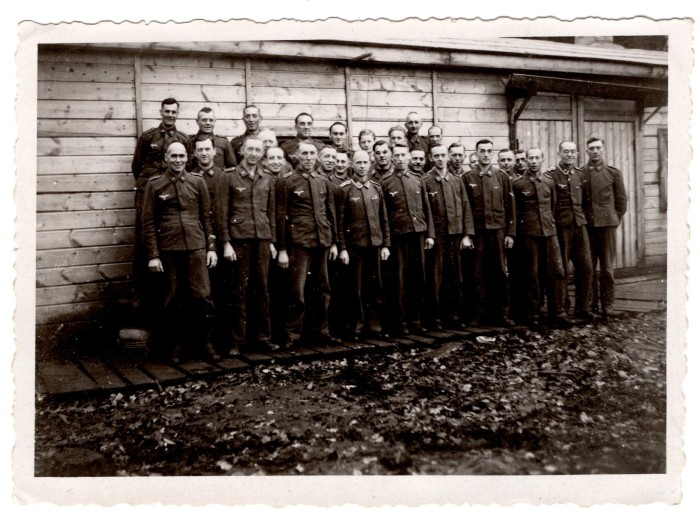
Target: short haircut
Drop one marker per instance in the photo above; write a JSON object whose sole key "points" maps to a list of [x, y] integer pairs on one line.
{"points": [[535, 149], [594, 139], [400, 146], [205, 110], [296, 120], [519, 151], [366, 131], [454, 145], [379, 143], [251, 107], [396, 128], [330, 129], [482, 141], [204, 140], [329, 147], [414, 112], [472, 155], [435, 127], [417, 149], [169, 101], [248, 138], [503, 151], [275, 147], [566, 141]]}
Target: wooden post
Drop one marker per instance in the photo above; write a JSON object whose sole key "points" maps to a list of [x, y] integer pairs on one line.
{"points": [[579, 127], [248, 83], [436, 120], [138, 94], [639, 183], [348, 107]]}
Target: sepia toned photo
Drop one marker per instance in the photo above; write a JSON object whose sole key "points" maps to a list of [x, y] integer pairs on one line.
{"points": [[352, 254]]}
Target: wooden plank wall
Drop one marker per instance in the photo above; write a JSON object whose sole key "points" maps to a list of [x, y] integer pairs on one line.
{"points": [[655, 224]]}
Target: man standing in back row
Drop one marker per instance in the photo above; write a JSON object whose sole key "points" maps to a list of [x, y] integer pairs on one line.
{"points": [[251, 119], [604, 204]]}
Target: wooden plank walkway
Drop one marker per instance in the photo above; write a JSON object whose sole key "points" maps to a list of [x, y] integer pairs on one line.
{"points": [[113, 371]]}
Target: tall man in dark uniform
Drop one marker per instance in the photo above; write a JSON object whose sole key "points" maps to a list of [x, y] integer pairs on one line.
{"points": [[304, 124], [416, 163], [180, 243], [397, 135], [416, 141], [248, 243], [148, 162], [454, 227], [604, 204], [338, 133], [306, 240], [535, 201], [506, 163], [520, 162], [225, 158], [455, 164], [364, 240], [382, 160], [493, 208], [571, 228], [412, 232], [251, 119], [327, 158]]}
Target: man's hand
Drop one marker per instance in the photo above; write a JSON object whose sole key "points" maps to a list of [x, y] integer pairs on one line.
{"points": [[155, 265], [273, 251], [333, 254], [229, 253], [509, 242], [344, 257], [384, 253], [283, 259], [212, 259], [466, 243], [429, 242]]}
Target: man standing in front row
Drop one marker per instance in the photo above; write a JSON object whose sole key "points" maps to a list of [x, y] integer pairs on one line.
{"points": [[306, 240], [180, 244], [604, 204]]}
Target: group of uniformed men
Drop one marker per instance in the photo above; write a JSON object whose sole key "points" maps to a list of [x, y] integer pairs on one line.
{"points": [[397, 237]]}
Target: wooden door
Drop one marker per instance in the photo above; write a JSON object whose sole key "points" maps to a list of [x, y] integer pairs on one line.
{"points": [[544, 134]]}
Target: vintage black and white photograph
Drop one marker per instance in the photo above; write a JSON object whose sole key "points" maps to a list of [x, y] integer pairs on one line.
{"points": [[345, 250]]}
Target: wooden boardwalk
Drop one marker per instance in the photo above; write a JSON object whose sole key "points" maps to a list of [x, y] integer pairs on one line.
{"points": [[123, 370]]}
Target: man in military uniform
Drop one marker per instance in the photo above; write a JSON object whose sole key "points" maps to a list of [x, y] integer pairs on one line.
{"points": [[455, 164], [225, 158], [454, 227], [180, 244], [604, 205], [339, 140], [364, 240], [473, 161], [520, 162], [412, 232], [506, 163], [248, 243], [382, 159], [148, 162], [327, 158], [571, 228], [415, 140], [306, 240], [434, 138], [416, 163], [304, 124], [491, 201], [251, 119], [397, 135], [535, 201], [342, 169], [269, 140]]}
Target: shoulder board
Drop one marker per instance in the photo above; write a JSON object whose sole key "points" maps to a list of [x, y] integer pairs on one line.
{"points": [[231, 169], [387, 175], [613, 168], [287, 175], [547, 175], [345, 183], [191, 136], [196, 174], [550, 170], [375, 183], [578, 169]]}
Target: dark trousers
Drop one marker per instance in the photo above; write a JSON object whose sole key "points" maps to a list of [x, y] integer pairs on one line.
{"points": [[517, 275], [250, 322], [544, 263], [308, 267], [576, 250], [406, 279], [444, 279], [220, 280], [186, 310], [603, 248], [279, 285], [365, 296], [489, 292], [342, 291], [148, 288]]}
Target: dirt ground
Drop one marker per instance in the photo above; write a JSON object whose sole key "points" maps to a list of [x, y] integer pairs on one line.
{"points": [[587, 400]]}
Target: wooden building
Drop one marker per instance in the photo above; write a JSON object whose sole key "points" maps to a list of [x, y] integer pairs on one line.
{"points": [[94, 100]]}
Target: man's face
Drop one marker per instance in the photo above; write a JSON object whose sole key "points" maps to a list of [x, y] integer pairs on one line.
{"points": [[252, 152], [327, 159], [435, 136], [506, 161], [456, 155], [473, 161], [521, 162], [338, 135], [205, 122], [342, 162], [413, 123], [400, 158], [304, 126], [274, 159], [568, 154], [360, 165], [251, 119], [396, 137], [382, 155], [168, 114], [268, 139], [417, 161], [534, 160], [366, 142], [204, 152], [596, 151], [438, 156], [176, 158], [307, 155], [485, 154]]}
